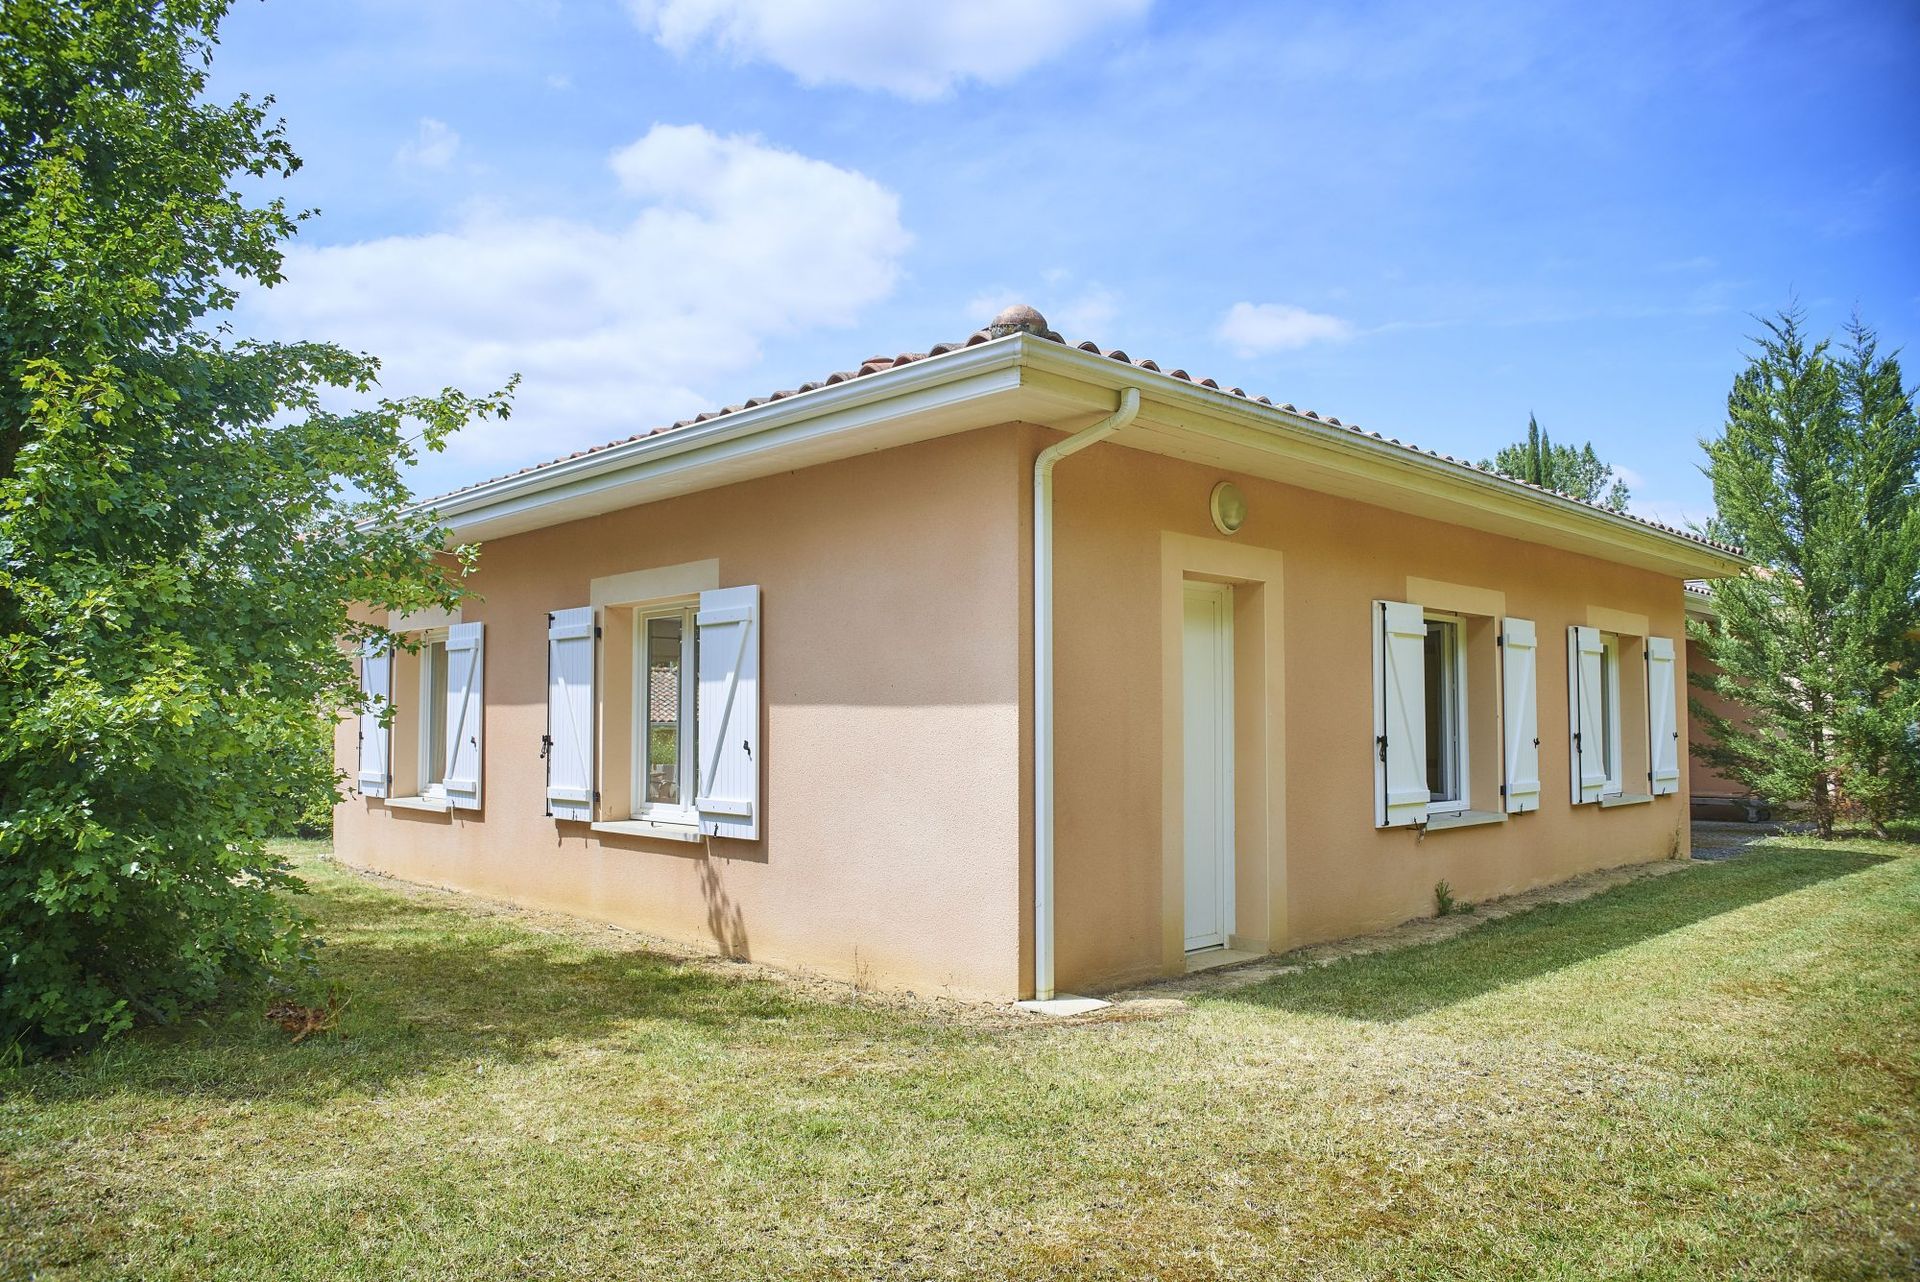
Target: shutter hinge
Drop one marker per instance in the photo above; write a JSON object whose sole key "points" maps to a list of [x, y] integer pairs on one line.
{"points": [[1500, 638], [1382, 741], [596, 796], [546, 745], [1503, 790], [596, 632]]}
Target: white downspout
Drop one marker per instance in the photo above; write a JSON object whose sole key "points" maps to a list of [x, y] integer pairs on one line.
{"points": [[1043, 679]]}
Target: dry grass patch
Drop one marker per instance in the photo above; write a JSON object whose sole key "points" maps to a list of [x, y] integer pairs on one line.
{"points": [[1707, 1074]]}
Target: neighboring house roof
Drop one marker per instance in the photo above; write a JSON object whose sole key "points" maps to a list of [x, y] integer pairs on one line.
{"points": [[1700, 600], [1022, 334], [663, 696]]}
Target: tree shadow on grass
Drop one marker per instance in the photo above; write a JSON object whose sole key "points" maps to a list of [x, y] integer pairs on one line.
{"points": [[1392, 986], [435, 988]]}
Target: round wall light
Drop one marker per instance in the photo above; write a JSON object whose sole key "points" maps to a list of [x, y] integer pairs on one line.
{"points": [[1229, 507]]}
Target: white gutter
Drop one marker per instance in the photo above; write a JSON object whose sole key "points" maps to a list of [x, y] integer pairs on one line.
{"points": [[993, 376], [551, 493], [1043, 679], [1482, 491]]}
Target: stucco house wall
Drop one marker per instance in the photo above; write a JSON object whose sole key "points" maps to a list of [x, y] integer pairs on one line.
{"points": [[1707, 781], [891, 676], [1123, 520]]}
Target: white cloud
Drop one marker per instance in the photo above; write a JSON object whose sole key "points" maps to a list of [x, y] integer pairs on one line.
{"points": [[432, 147], [1088, 314], [915, 51], [1252, 329], [616, 328]]}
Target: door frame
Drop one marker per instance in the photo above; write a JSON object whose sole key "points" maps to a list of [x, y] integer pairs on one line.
{"points": [[1220, 596], [1260, 732]]}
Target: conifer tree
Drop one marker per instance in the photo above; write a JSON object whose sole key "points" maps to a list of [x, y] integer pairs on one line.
{"points": [[1561, 468], [1817, 475]]}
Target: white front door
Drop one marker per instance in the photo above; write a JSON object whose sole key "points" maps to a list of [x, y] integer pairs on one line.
{"points": [[1207, 685]]}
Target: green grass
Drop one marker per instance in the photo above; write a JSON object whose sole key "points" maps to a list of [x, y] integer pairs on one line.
{"points": [[1709, 1074]]}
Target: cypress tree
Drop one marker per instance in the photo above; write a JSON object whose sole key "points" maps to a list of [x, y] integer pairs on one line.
{"points": [[1560, 468], [1817, 475]]}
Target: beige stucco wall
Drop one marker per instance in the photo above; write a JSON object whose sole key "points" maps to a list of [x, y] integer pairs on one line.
{"points": [[1127, 525], [1707, 781], [897, 742], [891, 679]]}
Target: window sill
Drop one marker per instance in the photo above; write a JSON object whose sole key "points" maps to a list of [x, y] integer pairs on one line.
{"points": [[1627, 799], [646, 828], [435, 804], [1464, 819]]}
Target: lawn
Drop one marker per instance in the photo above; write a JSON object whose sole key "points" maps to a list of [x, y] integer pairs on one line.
{"points": [[1709, 1074]]}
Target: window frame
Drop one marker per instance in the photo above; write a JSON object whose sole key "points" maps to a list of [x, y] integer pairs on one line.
{"points": [[686, 814], [1611, 754], [1460, 736], [431, 727]]}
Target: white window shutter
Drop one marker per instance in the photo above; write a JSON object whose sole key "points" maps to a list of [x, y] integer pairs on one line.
{"points": [[568, 746], [727, 793], [1663, 729], [1520, 713], [466, 713], [376, 682], [1399, 714], [1587, 766]]}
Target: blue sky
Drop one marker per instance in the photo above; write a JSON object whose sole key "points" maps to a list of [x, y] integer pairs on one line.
{"points": [[1427, 223]]}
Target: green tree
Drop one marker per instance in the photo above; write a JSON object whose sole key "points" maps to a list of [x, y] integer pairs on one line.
{"points": [[1561, 468], [184, 522], [1817, 475]]}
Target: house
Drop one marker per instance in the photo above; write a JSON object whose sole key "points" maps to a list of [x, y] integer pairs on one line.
{"points": [[1713, 793], [1014, 667]]}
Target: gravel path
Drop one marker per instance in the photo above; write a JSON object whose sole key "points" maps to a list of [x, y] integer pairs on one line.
{"points": [[1714, 840]]}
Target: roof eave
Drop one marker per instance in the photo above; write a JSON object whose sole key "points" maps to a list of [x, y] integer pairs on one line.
{"points": [[790, 432], [982, 384], [1401, 467]]}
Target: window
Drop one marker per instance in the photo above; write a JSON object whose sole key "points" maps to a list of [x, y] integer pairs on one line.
{"points": [[1444, 751], [421, 735], [653, 714], [1610, 712], [433, 717], [1446, 708], [664, 750]]}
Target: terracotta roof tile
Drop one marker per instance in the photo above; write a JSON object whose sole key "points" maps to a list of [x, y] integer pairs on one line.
{"points": [[1021, 319]]}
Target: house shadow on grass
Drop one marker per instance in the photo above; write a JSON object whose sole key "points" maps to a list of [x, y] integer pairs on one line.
{"points": [[431, 989], [1391, 986]]}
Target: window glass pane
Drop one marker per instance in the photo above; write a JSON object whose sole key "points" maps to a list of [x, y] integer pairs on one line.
{"points": [[664, 686], [433, 662], [1443, 710], [1609, 664]]}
